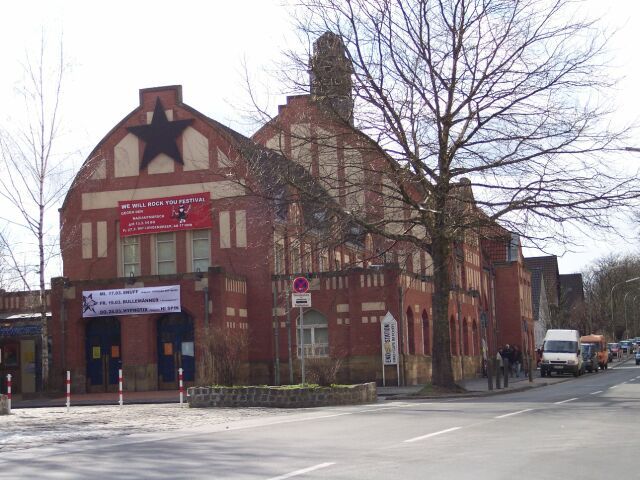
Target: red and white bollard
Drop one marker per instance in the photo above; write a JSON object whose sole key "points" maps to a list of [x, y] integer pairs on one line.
{"points": [[120, 386], [181, 386], [68, 390], [9, 393]]}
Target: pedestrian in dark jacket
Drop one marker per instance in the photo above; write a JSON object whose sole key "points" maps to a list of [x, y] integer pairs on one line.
{"points": [[517, 360]]}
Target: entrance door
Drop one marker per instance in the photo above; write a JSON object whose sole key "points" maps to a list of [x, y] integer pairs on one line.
{"points": [[103, 354], [10, 364], [175, 349]]}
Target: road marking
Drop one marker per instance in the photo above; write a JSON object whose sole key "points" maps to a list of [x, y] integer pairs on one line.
{"points": [[613, 386], [513, 413], [429, 435], [303, 471], [595, 393], [568, 400]]}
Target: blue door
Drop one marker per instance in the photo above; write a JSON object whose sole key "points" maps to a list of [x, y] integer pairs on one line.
{"points": [[176, 349], [103, 354]]}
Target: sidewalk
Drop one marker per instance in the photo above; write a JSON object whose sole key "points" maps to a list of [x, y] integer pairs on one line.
{"points": [[479, 386], [84, 399], [474, 387]]}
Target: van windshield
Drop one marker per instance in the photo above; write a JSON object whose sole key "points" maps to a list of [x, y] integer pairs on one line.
{"points": [[560, 346]]}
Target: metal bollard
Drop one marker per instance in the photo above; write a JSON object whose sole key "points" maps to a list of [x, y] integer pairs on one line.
{"points": [[9, 393], [120, 386], [68, 390], [181, 386]]}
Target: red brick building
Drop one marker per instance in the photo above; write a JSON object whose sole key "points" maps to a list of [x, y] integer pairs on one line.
{"points": [[149, 276]]}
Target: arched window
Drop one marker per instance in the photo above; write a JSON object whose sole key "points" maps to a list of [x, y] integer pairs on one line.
{"points": [[426, 333], [411, 332], [315, 329], [453, 344], [475, 338], [466, 350]]}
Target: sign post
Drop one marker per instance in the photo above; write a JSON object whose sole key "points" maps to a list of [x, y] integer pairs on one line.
{"points": [[300, 298], [389, 340]]}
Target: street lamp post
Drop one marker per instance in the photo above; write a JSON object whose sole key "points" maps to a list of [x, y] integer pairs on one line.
{"points": [[611, 296], [624, 306]]}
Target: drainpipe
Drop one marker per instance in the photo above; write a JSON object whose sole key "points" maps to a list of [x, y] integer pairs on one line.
{"points": [[401, 336], [288, 324], [276, 334], [63, 321], [206, 307]]}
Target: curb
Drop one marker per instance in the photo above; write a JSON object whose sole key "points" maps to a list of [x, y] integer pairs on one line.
{"points": [[475, 394]]}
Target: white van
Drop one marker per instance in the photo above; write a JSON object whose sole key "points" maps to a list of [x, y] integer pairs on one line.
{"points": [[561, 353]]}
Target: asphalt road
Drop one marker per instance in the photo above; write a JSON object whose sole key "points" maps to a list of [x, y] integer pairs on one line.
{"points": [[584, 428]]}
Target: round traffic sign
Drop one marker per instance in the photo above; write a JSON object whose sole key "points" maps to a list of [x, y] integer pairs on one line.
{"points": [[300, 285]]}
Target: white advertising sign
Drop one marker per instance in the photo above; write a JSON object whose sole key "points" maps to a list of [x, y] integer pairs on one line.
{"points": [[389, 333], [131, 301]]}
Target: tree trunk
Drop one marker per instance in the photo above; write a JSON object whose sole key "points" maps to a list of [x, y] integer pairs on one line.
{"points": [[441, 368], [43, 303]]}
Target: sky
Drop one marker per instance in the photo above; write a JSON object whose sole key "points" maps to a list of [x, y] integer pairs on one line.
{"points": [[115, 48]]}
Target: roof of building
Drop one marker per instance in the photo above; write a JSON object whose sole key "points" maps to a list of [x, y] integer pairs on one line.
{"points": [[536, 286], [549, 266], [572, 289]]}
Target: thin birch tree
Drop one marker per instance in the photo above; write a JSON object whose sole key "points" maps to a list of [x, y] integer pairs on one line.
{"points": [[33, 179]]}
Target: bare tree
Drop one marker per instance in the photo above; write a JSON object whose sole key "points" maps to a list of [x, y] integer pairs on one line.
{"points": [[447, 93], [33, 178], [610, 299]]}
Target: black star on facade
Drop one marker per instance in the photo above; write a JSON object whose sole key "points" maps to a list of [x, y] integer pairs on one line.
{"points": [[160, 136]]}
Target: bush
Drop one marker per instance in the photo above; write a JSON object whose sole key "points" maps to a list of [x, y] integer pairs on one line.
{"points": [[323, 371], [222, 354]]}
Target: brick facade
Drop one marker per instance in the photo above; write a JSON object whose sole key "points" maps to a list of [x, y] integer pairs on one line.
{"points": [[251, 260]]}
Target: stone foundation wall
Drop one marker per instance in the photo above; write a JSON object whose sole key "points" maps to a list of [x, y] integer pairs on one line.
{"points": [[4, 407], [277, 397]]}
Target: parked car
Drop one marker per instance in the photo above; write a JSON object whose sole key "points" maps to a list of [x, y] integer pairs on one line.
{"points": [[561, 353], [599, 347], [638, 357], [625, 346], [614, 348], [589, 357]]}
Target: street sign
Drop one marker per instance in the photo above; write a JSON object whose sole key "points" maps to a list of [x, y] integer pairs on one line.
{"points": [[301, 299], [300, 285]]}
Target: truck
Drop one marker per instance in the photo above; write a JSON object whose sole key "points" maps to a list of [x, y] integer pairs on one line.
{"points": [[561, 353], [600, 346]]}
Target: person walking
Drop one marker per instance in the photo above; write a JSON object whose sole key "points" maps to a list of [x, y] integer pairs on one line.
{"points": [[517, 360], [500, 360]]}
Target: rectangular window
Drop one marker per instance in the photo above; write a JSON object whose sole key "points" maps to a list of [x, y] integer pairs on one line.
{"points": [[295, 258], [131, 256], [278, 258], [324, 261], [166, 253], [316, 339], [307, 264], [201, 248]]}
